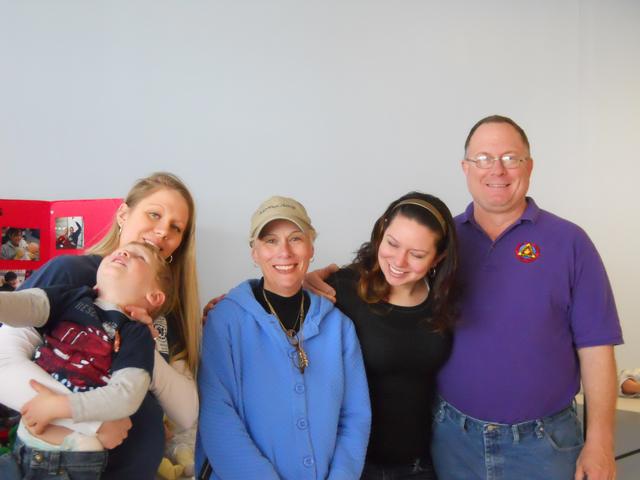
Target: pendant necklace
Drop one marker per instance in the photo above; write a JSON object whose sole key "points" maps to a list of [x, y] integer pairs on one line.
{"points": [[294, 338]]}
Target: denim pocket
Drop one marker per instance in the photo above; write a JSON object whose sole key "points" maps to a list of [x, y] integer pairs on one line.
{"points": [[43, 474], [564, 433]]}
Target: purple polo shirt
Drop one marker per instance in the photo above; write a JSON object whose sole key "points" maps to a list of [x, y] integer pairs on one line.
{"points": [[529, 300]]}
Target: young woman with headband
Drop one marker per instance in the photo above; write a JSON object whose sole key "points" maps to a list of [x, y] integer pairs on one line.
{"points": [[399, 292]]}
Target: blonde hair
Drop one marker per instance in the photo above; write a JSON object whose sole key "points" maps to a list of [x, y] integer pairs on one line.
{"points": [[162, 276], [183, 300]]}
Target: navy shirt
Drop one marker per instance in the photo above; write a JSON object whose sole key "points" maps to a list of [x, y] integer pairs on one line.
{"points": [[76, 305], [140, 454]]}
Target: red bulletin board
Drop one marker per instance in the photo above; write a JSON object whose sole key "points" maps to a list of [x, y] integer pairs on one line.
{"points": [[36, 220]]}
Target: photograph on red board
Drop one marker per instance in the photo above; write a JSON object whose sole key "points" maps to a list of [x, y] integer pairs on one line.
{"points": [[12, 279], [69, 233], [20, 243]]}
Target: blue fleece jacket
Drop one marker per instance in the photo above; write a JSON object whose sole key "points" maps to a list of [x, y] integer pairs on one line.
{"points": [[260, 418]]}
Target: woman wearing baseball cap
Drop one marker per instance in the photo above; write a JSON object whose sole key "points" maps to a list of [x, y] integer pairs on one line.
{"points": [[283, 391]]}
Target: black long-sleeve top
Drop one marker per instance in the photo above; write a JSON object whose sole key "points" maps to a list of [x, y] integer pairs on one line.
{"points": [[402, 355]]}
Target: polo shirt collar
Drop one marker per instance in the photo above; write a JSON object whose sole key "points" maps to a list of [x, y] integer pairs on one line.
{"points": [[530, 214]]}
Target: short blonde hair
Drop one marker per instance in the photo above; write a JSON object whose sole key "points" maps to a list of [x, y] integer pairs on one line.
{"points": [[184, 301], [162, 276]]}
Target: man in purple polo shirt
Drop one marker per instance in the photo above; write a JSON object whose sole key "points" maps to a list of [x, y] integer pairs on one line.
{"points": [[537, 314]]}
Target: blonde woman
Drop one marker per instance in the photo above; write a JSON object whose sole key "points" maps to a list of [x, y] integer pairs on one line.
{"points": [[159, 210]]}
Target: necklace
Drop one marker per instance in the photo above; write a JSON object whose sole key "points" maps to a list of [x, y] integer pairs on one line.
{"points": [[294, 338]]}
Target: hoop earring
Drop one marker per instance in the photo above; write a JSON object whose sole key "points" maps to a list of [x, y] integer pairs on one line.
{"points": [[169, 259], [119, 230], [432, 272]]}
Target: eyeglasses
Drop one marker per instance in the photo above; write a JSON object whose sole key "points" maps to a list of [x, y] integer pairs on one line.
{"points": [[509, 160]]}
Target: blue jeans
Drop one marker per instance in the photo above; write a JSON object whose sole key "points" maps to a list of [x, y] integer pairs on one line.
{"points": [[464, 448], [34, 464], [421, 469], [9, 469]]}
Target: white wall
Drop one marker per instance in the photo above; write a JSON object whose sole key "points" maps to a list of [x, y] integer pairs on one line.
{"points": [[342, 104]]}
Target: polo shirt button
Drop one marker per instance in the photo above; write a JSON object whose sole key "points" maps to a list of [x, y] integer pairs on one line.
{"points": [[302, 423], [307, 461], [299, 388]]}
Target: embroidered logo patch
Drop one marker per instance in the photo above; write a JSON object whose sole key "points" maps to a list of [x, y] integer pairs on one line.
{"points": [[527, 252]]}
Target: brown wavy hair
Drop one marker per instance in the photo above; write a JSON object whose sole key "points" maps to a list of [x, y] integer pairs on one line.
{"points": [[372, 285]]}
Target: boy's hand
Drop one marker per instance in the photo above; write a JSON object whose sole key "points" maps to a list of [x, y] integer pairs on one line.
{"points": [[38, 412], [112, 433], [141, 315]]}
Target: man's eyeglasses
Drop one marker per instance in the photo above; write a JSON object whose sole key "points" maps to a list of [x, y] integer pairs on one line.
{"points": [[509, 160]]}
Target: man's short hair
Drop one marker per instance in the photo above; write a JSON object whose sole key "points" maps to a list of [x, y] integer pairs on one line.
{"points": [[10, 277], [12, 232], [497, 119]]}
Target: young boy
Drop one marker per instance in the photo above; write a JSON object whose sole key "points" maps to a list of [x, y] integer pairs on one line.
{"points": [[15, 246], [92, 348]]}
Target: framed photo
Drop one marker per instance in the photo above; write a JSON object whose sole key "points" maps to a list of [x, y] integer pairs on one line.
{"points": [[12, 279], [20, 244], [69, 233]]}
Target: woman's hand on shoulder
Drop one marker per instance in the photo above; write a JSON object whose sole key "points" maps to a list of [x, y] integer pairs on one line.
{"points": [[316, 283], [141, 315], [211, 304]]}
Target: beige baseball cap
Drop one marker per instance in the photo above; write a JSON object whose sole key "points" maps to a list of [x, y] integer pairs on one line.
{"points": [[280, 208]]}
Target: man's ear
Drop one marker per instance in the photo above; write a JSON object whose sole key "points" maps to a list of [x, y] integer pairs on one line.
{"points": [[122, 213], [156, 298], [465, 167]]}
